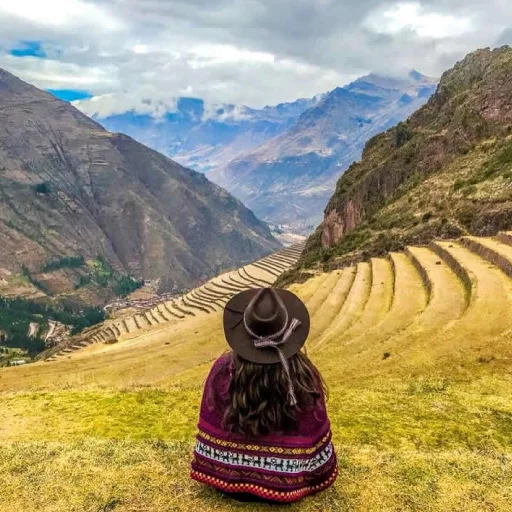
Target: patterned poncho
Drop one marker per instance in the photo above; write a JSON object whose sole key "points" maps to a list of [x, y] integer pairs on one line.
{"points": [[278, 467]]}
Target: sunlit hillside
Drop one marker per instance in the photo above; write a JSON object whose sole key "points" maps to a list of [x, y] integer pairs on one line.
{"points": [[416, 349], [207, 298]]}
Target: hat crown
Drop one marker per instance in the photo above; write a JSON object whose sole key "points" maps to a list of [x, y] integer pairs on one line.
{"points": [[266, 314]]}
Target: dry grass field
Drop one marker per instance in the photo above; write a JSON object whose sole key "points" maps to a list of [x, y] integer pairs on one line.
{"points": [[416, 349]]}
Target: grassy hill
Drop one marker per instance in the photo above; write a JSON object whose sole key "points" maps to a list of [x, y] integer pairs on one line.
{"points": [[416, 349]]}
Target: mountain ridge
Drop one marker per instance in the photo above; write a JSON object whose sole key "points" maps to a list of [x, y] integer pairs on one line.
{"points": [[443, 173], [202, 136], [290, 178], [70, 188]]}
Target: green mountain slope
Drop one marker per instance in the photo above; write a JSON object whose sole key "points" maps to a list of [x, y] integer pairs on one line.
{"points": [[445, 172]]}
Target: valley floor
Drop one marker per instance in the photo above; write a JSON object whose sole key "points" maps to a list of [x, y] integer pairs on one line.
{"points": [[417, 358]]}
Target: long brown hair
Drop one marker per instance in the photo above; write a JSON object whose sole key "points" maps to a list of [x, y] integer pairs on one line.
{"points": [[258, 395]]}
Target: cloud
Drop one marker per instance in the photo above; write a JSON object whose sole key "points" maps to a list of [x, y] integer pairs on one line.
{"points": [[140, 102], [142, 55], [60, 14], [415, 18], [54, 74]]}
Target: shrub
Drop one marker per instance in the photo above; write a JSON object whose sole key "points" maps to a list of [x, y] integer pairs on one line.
{"points": [[386, 242], [426, 216], [34, 282], [505, 156], [83, 280], [467, 191], [458, 184], [64, 262], [402, 134], [352, 241], [87, 318], [466, 217], [44, 188], [325, 255], [126, 285]]}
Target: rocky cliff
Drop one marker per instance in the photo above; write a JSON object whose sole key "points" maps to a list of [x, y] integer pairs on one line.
{"points": [[80, 204], [444, 172], [289, 179]]}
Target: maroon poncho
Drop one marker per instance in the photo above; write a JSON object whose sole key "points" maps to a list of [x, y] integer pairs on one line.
{"points": [[279, 467]]}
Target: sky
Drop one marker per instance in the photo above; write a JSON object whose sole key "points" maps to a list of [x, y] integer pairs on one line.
{"points": [[115, 56]]}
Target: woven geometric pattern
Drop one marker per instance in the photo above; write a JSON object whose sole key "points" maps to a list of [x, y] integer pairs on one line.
{"points": [[266, 463]]}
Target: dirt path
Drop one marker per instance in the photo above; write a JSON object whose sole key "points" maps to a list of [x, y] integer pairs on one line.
{"points": [[50, 332], [32, 330]]}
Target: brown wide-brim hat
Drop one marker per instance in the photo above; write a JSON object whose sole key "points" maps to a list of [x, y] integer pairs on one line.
{"points": [[267, 311]]}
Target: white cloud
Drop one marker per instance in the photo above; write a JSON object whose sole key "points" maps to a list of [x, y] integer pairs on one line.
{"points": [[215, 54], [247, 52], [60, 13], [414, 17], [114, 104], [53, 74], [238, 113], [141, 49]]}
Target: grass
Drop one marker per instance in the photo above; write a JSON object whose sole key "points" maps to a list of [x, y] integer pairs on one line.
{"points": [[420, 413], [427, 427], [152, 479], [402, 446]]}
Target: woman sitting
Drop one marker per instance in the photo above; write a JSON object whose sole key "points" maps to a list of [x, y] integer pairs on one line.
{"points": [[263, 426]]}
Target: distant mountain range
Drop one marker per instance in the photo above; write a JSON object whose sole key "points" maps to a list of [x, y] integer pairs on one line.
{"points": [[284, 161], [205, 137], [290, 178], [82, 208]]}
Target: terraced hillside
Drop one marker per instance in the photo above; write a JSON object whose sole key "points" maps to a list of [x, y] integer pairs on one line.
{"points": [[416, 348], [208, 298]]}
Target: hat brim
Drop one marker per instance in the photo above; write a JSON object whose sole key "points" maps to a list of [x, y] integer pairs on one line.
{"points": [[243, 344]]}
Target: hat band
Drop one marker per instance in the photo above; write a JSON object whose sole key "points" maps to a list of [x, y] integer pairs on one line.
{"points": [[270, 343]]}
